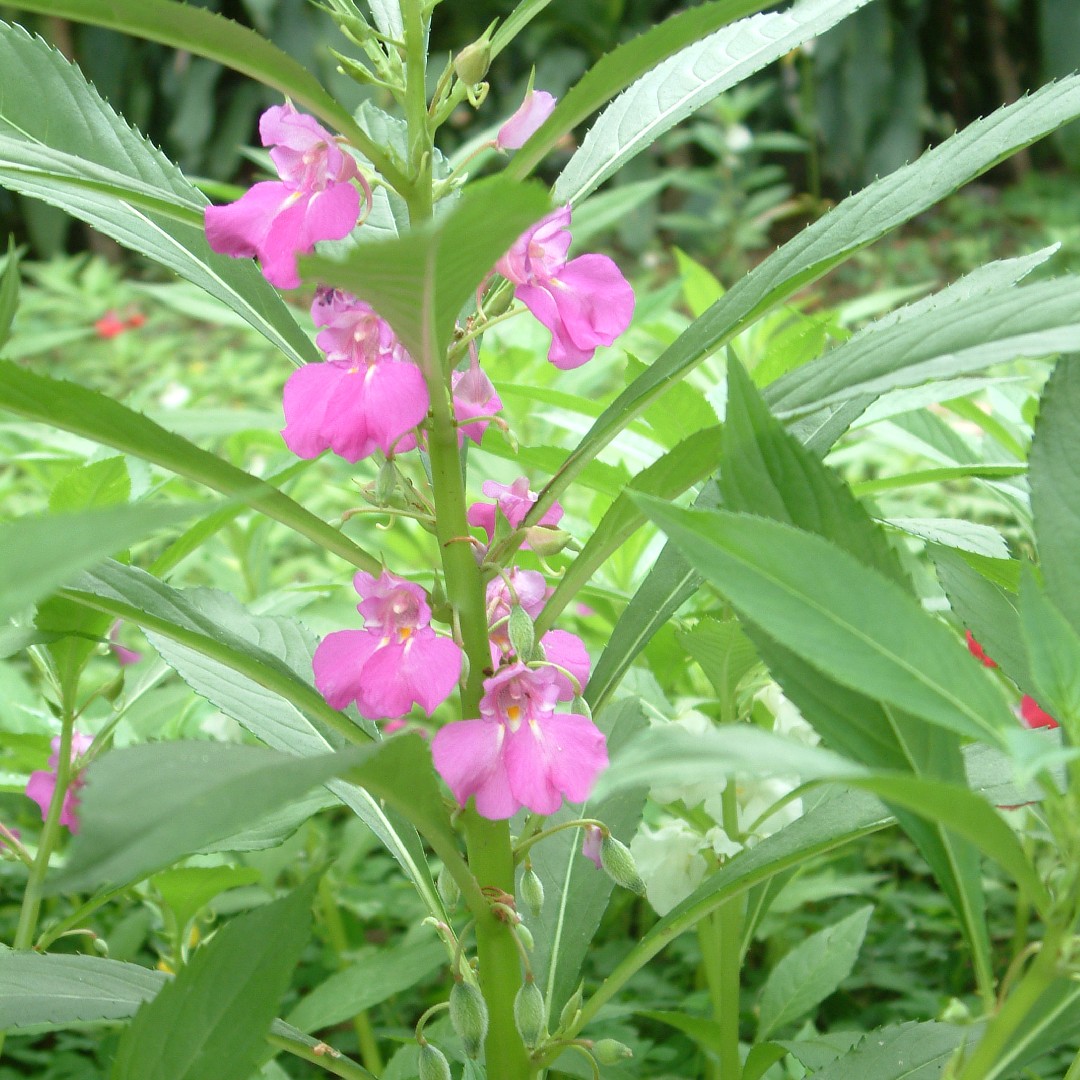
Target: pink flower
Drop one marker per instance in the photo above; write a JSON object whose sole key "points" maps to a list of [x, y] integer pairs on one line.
{"points": [[977, 650], [124, 656], [531, 113], [568, 652], [313, 201], [585, 302], [367, 395], [110, 325], [474, 396], [521, 753], [1033, 716], [42, 783], [591, 843], [513, 501], [396, 661], [531, 591]]}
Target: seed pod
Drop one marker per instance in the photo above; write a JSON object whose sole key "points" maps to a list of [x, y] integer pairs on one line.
{"points": [[471, 64], [619, 864], [521, 632], [611, 1052], [571, 1010], [529, 1013], [433, 1064], [545, 540], [525, 936], [448, 889], [532, 892], [469, 1016]]}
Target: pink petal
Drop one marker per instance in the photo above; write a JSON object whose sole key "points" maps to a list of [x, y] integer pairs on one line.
{"points": [[240, 228], [389, 602], [313, 402], [531, 113], [339, 663], [1033, 715], [395, 401], [591, 843], [538, 252], [529, 764], [578, 753], [422, 670], [568, 651], [305, 154], [40, 788], [468, 755], [482, 516]]}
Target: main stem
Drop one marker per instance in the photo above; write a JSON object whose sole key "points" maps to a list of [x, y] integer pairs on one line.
{"points": [[490, 854]]}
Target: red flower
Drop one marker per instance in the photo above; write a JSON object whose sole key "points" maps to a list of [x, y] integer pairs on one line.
{"points": [[976, 649], [1033, 716]]}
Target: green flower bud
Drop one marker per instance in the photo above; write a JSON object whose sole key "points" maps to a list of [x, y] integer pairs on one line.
{"points": [[433, 1064], [546, 541], [386, 483], [471, 64], [469, 1015], [529, 1013], [619, 865], [580, 706], [101, 946], [611, 1052], [521, 632], [525, 936], [571, 1010], [532, 892], [448, 889]]}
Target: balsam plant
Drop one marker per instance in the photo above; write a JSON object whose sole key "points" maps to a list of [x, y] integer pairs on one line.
{"points": [[468, 732]]}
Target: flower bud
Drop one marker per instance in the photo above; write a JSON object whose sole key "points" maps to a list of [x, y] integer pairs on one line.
{"points": [[571, 1010], [471, 64], [611, 1052], [386, 483], [521, 632], [546, 541], [580, 706], [532, 891], [433, 1064], [469, 1016], [529, 1013], [619, 865], [525, 936], [448, 889], [100, 945]]}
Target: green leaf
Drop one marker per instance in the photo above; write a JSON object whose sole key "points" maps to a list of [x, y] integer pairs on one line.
{"points": [[145, 806], [683, 83], [60, 142], [186, 890], [9, 292], [98, 483], [910, 1051], [1055, 487], [420, 282], [1053, 652], [724, 653], [845, 619], [955, 533], [370, 978], [700, 286], [256, 669], [810, 972], [85, 412], [704, 1032], [950, 339], [684, 412], [210, 1022], [855, 223], [39, 554], [202, 32], [617, 69]]}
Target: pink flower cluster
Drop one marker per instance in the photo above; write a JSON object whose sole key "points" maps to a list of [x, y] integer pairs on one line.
{"points": [[512, 502], [313, 200], [42, 782]]}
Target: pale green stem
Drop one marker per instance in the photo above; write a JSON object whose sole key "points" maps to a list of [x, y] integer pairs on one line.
{"points": [[338, 1065]]}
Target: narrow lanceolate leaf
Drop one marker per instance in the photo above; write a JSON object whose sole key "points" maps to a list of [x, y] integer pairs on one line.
{"points": [[954, 339], [204, 33], [211, 1021], [9, 292], [85, 412], [685, 82], [808, 974], [420, 282], [1055, 487], [39, 554], [617, 69], [856, 222], [60, 142], [842, 617]]}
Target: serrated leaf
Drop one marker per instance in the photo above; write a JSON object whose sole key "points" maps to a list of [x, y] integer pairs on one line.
{"points": [[419, 282], [810, 972], [60, 142], [910, 1051], [955, 533], [186, 890], [685, 82], [210, 1022], [1053, 652], [73, 408], [724, 653], [97, 483]]}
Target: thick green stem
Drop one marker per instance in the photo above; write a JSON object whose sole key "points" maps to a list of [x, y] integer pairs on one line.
{"points": [[720, 935]]}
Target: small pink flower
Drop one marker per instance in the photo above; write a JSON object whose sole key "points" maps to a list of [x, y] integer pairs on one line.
{"points": [[513, 501], [474, 396], [42, 783], [977, 650], [124, 656], [531, 113], [591, 843], [531, 591], [1033, 716], [585, 302], [568, 652], [278, 220], [521, 753], [396, 661], [110, 325]]}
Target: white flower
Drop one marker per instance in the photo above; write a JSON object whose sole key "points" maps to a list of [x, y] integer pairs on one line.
{"points": [[695, 723], [670, 862]]}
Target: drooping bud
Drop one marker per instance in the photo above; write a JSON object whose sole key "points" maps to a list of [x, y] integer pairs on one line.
{"points": [[525, 936], [532, 891], [471, 64], [611, 1052], [529, 1013], [521, 632], [448, 889], [619, 865], [433, 1064], [546, 541], [580, 706], [571, 1010], [469, 1016]]}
